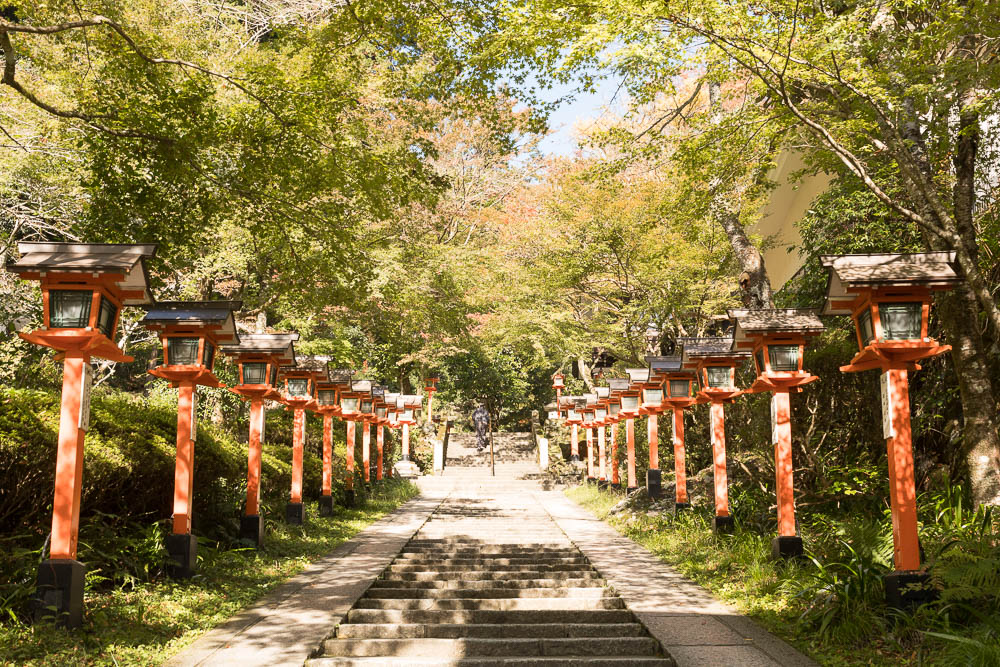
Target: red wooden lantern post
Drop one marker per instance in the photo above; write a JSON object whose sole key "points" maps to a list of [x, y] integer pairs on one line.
{"points": [[558, 384], [300, 395], [573, 406], [190, 332], [889, 299], [381, 419], [715, 362], [777, 339], [431, 387], [407, 406], [84, 286], [350, 412], [587, 415], [677, 396], [600, 422], [630, 399], [651, 405], [258, 357], [614, 416], [328, 405], [391, 401]]}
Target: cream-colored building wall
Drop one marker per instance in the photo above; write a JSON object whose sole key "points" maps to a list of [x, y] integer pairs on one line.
{"points": [[788, 202]]}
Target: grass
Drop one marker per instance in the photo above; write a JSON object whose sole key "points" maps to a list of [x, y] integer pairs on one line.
{"points": [[739, 570], [151, 621]]}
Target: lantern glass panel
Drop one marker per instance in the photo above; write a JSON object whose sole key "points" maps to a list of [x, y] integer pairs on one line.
{"points": [[298, 387], [381, 412], [901, 321], [680, 388], [759, 358], [182, 351], [652, 396], [348, 404], [865, 326], [784, 357], [573, 414], [106, 318], [718, 376], [366, 407], [69, 309], [630, 403], [327, 397], [600, 413], [274, 375], [588, 419], [615, 408], [407, 415], [254, 372], [209, 355]]}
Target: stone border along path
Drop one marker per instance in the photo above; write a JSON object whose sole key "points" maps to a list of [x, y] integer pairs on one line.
{"points": [[292, 622]]}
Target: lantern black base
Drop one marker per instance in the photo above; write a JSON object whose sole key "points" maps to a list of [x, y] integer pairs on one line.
{"points": [[326, 505], [295, 513], [574, 459], [653, 486], [591, 480], [631, 489], [680, 507], [59, 592], [723, 524], [405, 457], [786, 547], [905, 589], [349, 498], [183, 550], [602, 483], [252, 529]]}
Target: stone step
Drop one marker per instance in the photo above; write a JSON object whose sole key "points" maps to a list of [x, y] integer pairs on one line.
{"points": [[499, 604], [487, 563], [492, 550], [425, 567], [486, 631], [461, 648], [489, 617], [485, 584], [601, 661], [486, 593], [449, 578]]}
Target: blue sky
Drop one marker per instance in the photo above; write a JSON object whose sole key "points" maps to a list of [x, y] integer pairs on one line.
{"points": [[585, 106]]}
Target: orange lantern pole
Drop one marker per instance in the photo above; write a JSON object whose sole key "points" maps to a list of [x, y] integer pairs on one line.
{"points": [[777, 339], [629, 397], [366, 449], [328, 405], [630, 454], [258, 357], [588, 425], [715, 362], [889, 299], [676, 395], [615, 476], [651, 405], [349, 463], [300, 395], [600, 420], [84, 286], [190, 332], [602, 475], [431, 387], [380, 445]]}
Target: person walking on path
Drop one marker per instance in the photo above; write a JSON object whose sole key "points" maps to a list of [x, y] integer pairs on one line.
{"points": [[481, 420]]}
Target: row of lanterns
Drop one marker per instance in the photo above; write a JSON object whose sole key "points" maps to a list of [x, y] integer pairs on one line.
{"points": [[887, 296], [84, 287]]}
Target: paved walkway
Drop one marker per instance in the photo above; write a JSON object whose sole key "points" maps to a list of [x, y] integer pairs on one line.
{"points": [[468, 504]]}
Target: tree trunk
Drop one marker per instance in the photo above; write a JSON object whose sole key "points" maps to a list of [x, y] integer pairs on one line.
{"points": [[755, 284]]}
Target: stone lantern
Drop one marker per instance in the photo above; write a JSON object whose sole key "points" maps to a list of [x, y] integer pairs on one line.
{"points": [[84, 286], [190, 333], [678, 395], [889, 298], [715, 362], [300, 395], [777, 339], [258, 357]]}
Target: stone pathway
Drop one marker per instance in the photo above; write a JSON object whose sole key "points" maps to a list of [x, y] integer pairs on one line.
{"points": [[491, 570]]}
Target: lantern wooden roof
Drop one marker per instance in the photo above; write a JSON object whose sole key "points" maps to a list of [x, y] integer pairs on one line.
{"points": [[602, 392], [716, 346], [590, 400], [851, 274], [751, 325], [306, 365], [278, 345], [551, 407], [361, 386], [128, 260], [216, 315], [618, 385], [638, 375], [665, 364]]}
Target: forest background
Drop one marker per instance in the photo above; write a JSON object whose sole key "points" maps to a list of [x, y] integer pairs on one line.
{"points": [[369, 176]]}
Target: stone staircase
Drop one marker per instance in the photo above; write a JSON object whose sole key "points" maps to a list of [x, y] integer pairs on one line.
{"points": [[490, 580], [462, 601]]}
